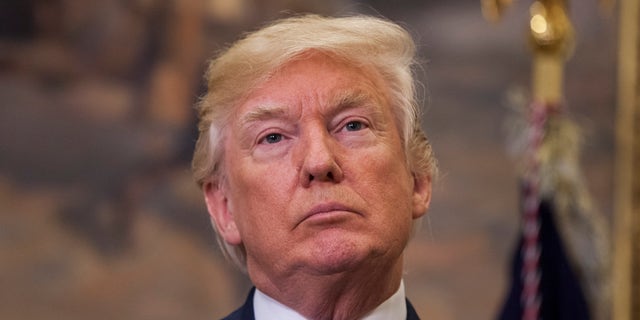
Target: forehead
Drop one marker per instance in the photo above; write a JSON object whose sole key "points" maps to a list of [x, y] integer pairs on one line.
{"points": [[317, 78]]}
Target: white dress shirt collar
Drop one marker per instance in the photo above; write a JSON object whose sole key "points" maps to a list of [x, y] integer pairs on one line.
{"points": [[266, 308]]}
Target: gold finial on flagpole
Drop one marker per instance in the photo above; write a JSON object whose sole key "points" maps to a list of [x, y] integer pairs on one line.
{"points": [[552, 40]]}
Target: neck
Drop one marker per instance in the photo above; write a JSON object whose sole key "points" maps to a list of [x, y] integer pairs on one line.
{"points": [[344, 295]]}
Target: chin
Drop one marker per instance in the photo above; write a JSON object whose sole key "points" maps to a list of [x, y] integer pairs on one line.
{"points": [[334, 256]]}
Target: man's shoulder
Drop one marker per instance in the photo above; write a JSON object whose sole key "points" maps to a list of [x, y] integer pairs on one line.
{"points": [[245, 312], [240, 314]]}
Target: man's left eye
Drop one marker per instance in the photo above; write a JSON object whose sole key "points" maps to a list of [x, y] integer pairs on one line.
{"points": [[354, 126]]}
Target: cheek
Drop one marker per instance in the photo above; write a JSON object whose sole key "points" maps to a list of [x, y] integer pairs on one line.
{"points": [[388, 166], [388, 183], [259, 199]]}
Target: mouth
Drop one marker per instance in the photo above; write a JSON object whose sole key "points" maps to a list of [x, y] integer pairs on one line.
{"points": [[327, 213]]}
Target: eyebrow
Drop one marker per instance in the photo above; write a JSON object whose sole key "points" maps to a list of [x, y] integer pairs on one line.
{"points": [[351, 99], [263, 112], [348, 99]]}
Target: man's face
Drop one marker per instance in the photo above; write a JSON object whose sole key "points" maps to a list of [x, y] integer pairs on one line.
{"points": [[316, 177]]}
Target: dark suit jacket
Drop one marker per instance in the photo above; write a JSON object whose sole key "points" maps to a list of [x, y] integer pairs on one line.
{"points": [[246, 311]]}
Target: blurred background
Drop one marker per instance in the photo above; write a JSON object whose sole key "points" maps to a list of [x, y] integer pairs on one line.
{"points": [[99, 216]]}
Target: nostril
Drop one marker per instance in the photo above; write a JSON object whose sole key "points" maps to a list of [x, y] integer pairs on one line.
{"points": [[310, 177], [330, 175]]}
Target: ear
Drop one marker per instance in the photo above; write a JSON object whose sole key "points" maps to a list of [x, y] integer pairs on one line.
{"points": [[421, 195], [221, 216]]}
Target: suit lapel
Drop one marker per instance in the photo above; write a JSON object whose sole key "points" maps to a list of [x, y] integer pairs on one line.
{"points": [[411, 313]]}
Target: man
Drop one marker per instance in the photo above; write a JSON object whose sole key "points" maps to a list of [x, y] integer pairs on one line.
{"points": [[314, 167]]}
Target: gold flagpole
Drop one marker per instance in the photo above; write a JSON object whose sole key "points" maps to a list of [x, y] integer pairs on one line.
{"points": [[626, 275], [584, 231]]}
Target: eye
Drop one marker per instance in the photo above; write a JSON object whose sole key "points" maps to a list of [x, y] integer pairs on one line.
{"points": [[354, 126], [272, 138]]}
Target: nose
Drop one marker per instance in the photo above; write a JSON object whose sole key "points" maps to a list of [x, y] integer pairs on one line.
{"points": [[319, 159]]}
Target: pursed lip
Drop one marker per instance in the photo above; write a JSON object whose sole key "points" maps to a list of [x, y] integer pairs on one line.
{"points": [[326, 208]]}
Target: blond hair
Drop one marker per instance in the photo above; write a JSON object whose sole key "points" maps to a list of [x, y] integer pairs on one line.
{"points": [[363, 41]]}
